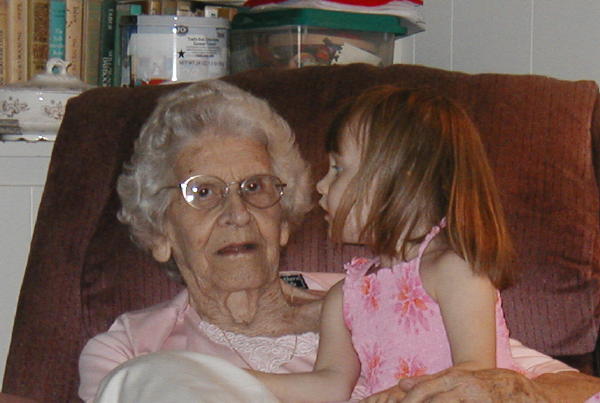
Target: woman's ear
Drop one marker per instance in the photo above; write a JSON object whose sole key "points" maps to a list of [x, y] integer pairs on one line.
{"points": [[161, 250], [285, 233]]}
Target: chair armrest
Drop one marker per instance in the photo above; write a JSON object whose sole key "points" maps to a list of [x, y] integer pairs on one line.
{"points": [[6, 398]]}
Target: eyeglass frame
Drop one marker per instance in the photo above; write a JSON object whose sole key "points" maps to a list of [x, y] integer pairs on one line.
{"points": [[184, 185]]}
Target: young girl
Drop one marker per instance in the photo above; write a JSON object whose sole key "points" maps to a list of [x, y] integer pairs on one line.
{"points": [[409, 178]]}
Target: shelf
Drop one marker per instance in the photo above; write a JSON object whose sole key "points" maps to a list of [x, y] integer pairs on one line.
{"points": [[26, 149]]}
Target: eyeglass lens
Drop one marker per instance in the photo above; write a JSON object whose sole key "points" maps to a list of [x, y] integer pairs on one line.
{"points": [[205, 192]]}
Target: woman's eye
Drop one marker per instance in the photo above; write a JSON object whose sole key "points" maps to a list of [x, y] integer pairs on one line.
{"points": [[252, 187], [336, 169], [202, 192]]}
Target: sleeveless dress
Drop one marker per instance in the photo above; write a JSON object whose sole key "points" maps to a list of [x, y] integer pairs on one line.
{"points": [[397, 328]]}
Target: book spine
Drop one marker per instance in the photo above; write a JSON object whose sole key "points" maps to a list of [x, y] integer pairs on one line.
{"points": [[17, 40], [37, 33], [168, 7], [128, 28], [107, 43], [149, 7], [92, 13], [123, 10], [154, 7], [74, 35], [184, 7], [56, 31], [3, 41]]}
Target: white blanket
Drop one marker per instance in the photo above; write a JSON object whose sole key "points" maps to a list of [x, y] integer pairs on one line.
{"points": [[181, 376]]}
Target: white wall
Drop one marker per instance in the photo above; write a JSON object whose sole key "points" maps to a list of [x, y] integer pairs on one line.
{"points": [[558, 38]]}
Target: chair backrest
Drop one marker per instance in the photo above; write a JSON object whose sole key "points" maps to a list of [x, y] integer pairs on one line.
{"points": [[83, 270]]}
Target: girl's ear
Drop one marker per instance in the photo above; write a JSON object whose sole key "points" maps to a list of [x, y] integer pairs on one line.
{"points": [[285, 233], [161, 250]]}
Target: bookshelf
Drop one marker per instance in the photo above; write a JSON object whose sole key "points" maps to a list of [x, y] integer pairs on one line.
{"points": [[84, 32]]}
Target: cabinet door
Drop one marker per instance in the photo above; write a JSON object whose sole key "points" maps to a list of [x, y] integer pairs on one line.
{"points": [[23, 169]]}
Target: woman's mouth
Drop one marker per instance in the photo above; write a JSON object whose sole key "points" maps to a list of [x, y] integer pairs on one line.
{"points": [[237, 248]]}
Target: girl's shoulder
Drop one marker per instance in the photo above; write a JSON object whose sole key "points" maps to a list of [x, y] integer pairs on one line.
{"points": [[445, 263], [444, 268]]}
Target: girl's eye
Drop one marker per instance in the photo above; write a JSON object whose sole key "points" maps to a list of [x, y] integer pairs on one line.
{"points": [[336, 169]]}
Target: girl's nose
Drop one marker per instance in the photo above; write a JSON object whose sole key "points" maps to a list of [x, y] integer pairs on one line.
{"points": [[322, 187]]}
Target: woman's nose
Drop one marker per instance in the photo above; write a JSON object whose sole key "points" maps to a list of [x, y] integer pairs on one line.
{"points": [[235, 211]]}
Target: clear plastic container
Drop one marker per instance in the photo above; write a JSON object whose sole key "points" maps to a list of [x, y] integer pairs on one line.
{"points": [[303, 37]]}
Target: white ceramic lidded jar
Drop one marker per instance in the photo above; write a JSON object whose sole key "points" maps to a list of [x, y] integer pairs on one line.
{"points": [[35, 108]]}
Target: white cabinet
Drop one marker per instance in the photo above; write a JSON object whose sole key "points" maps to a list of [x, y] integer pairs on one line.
{"points": [[23, 169]]}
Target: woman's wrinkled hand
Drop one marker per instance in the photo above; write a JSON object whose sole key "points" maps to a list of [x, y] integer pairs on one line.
{"points": [[468, 386], [391, 395]]}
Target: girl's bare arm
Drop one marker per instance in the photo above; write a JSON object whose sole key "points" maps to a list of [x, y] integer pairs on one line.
{"points": [[336, 368], [468, 305]]}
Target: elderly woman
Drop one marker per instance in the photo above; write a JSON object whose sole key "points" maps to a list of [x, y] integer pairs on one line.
{"points": [[214, 187]]}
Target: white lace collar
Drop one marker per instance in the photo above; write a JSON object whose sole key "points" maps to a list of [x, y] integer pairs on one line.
{"points": [[263, 353]]}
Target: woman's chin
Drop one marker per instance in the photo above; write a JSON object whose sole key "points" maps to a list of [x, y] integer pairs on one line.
{"points": [[240, 271]]}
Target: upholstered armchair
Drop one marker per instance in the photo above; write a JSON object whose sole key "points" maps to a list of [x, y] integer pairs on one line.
{"points": [[541, 135]]}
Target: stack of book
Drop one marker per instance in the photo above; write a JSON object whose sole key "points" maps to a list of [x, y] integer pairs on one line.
{"points": [[84, 32]]}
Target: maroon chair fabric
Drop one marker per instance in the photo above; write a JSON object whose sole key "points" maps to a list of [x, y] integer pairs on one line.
{"points": [[541, 135]]}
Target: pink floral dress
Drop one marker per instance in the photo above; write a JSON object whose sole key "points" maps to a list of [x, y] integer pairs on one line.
{"points": [[397, 328]]}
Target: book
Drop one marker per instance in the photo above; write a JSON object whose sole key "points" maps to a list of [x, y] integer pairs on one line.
{"points": [[168, 7], [153, 7], [37, 36], [74, 36], [150, 7], [128, 26], [184, 7], [120, 42], [3, 41], [92, 16], [107, 43], [56, 29], [17, 41]]}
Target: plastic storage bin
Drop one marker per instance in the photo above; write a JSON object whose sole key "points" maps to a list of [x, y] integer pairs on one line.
{"points": [[303, 37]]}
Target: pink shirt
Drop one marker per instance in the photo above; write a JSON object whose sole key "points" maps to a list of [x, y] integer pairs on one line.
{"points": [[174, 325], [397, 328]]}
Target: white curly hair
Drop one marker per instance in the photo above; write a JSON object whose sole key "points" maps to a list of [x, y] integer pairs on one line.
{"points": [[201, 109]]}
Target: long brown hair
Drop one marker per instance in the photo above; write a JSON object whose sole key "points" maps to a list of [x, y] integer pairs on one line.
{"points": [[421, 160]]}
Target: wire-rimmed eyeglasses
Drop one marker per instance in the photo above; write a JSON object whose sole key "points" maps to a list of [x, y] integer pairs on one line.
{"points": [[205, 192]]}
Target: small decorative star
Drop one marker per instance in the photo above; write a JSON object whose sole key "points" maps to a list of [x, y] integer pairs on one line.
{"points": [[181, 53]]}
